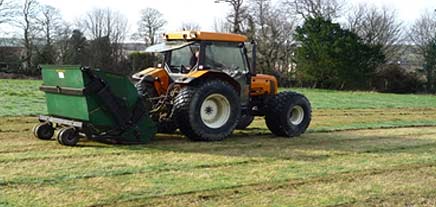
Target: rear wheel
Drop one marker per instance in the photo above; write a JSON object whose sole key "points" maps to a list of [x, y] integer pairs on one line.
{"points": [[43, 131], [289, 114], [208, 112]]}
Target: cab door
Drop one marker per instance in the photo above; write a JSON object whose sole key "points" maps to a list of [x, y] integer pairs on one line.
{"points": [[229, 57]]}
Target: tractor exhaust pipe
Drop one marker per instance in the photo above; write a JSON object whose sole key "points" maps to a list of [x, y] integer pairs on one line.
{"points": [[253, 58]]}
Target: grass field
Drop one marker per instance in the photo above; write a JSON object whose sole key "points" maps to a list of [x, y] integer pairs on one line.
{"points": [[388, 161]]}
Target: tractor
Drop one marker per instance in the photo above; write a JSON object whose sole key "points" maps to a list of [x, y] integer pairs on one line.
{"points": [[207, 86]]}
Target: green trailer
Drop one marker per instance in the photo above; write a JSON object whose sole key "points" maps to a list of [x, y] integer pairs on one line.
{"points": [[101, 106]]}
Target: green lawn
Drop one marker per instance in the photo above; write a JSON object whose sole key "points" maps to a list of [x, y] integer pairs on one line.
{"points": [[330, 99], [22, 97], [385, 167], [330, 165]]}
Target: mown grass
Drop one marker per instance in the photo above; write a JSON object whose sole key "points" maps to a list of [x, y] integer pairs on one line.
{"points": [[387, 167], [329, 166], [21, 97]]}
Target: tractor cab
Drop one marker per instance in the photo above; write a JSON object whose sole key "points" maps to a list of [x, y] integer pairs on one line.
{"points": [[189, 55], [187, 52]]}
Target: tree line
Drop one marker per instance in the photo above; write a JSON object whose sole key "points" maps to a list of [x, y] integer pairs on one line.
{"points": [[310, 43], [95, 39], [330, 44]]}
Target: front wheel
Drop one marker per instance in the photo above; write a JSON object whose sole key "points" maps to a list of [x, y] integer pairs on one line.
{"points": [[289, 114], [208, 112], [43, 131]]}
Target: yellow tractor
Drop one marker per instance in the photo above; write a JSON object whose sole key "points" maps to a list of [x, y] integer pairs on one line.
{"points": [[206, 86]]}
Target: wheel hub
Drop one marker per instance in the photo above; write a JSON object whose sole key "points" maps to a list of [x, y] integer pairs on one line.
{"points": [[296, 115], [209, 110], [215, 111]]}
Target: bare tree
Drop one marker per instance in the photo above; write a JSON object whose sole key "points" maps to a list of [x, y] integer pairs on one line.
{"points": [[423, 35], [423, 30], [190, 26], [118, 35], [7, 11], [152, 21], [50, 21], [238, 14], [107, 29], [328, 9], [221, 25], [63, 34], [29, 25], [377, 26], [99, 23], [273, 34], [261, 11]]}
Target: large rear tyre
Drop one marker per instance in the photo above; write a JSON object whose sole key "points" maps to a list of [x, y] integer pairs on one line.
{"points": [[208, 112], [43, 131], [289, 114], [245, 121]]}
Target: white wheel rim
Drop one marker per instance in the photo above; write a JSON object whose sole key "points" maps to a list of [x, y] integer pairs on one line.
{"points": [[215, 111], [296, 115]]}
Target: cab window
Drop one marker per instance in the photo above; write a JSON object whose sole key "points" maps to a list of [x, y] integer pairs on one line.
{"points": [[228, 56], [185, 58]]}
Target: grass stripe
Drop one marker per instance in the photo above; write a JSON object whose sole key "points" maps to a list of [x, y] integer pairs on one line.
{"points": [[265, 186]]}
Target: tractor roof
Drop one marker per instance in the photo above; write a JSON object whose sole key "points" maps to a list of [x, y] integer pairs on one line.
{"points": [[208, 36]]}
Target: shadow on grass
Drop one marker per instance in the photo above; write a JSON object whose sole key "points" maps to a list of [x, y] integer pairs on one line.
{"points": [[308, 147]]}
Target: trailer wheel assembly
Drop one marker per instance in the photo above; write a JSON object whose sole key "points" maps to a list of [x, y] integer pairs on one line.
{"points": [[68, 136], [43, 131]]}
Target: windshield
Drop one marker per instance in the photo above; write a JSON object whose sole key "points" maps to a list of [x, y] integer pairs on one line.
{"points": [[184, 59]]}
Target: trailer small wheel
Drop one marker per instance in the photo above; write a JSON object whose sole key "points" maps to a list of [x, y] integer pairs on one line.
{"points": [[43, 131], [68, 136]]}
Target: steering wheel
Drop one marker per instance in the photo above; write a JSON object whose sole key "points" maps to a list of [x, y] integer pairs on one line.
{"points": [[183, 69]]}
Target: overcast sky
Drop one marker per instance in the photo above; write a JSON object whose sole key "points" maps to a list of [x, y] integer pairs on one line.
{"points": [[204, 12]]}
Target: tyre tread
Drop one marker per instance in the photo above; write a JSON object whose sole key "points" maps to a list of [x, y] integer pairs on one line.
{"points": [[183, 116], [277, 107]]}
